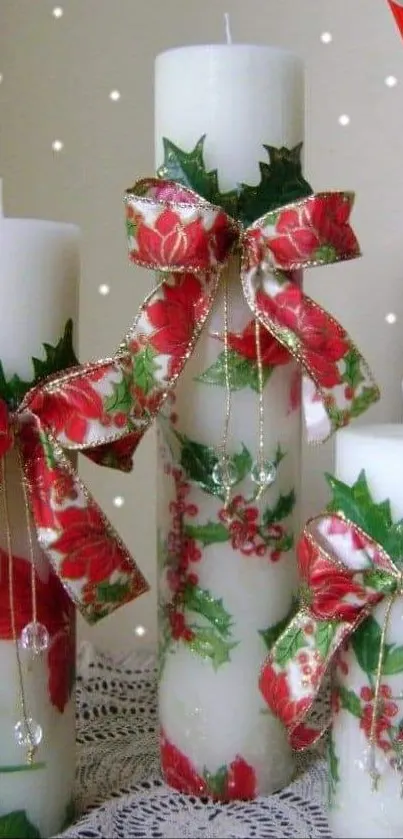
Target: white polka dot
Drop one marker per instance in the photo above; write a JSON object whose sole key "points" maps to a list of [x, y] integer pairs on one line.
{"points": [[57, 12], [104, 289], [140, 631], [326, 37], [344, 119], [118, 501], [57, 145], [391, 81], [391, 318], [114, 95]]}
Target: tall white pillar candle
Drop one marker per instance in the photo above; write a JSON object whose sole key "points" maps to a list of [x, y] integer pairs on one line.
{"points": [[379, 451], [39, 272], [216, 733]]}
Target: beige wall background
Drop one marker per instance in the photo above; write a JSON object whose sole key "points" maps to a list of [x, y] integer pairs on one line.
{"points": [[57, 74]]}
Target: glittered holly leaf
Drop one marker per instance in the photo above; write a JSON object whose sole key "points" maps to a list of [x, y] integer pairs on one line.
{"points": [[16, 825], [199, 462], [242, 372], [282, 508], [352, 375], [357, 504], [271, 634], [281, 181], [199, 600], [208, 643], [57, 358], [208, 534], [288, 645], [189, 169], [145, 368]]}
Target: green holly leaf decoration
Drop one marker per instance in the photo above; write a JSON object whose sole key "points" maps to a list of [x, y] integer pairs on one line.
{"points": [[362, 402], [112, 592], [349, 700], [352, 375], [281, 510], [242, 372], [189, 169], [325, 632], [208, 643], [289, 644], [199, 600], [198, 461], [16, 825], [281, 181], [121, 398], [357, 504], [366, 643], [145, 368], [48, 449], [392, 661], [217, 782], [271, 634], [57, 358], [208, 534]]}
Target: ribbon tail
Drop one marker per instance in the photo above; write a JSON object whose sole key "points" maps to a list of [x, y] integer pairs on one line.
{"points": [[337, 382], [88, 556], [307, 644]]}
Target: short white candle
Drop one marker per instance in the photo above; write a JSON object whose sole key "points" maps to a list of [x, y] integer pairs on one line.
{"points": [[378, 449], [39, 273]]}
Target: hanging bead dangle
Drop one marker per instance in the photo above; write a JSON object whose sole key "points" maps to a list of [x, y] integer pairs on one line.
{"points": [[27, 731]]}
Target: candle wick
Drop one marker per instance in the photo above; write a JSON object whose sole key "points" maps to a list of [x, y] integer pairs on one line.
{"points": [[227, 28]]}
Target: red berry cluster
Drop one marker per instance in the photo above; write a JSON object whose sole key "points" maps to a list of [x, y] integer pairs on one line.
{"points": [[387, 710], [246, 534], [182, 551]]}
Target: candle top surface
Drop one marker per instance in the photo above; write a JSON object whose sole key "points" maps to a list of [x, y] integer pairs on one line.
{"points": [[229, 49], [381, 431], [42, 224]]}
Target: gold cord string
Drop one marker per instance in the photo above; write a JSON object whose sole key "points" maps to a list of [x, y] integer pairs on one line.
{"points": [[225, 466], [30, 542], [21, 691], [260, 456]]}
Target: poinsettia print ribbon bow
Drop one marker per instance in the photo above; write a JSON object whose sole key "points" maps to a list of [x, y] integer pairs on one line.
{"points": [[345, 574], [87, 554], [172, 229]]}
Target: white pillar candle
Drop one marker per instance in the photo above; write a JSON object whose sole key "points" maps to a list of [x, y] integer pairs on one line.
{"points": [[39, 272], [214, 721], [379, 451]]}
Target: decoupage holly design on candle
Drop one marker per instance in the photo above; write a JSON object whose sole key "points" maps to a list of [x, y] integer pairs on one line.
{"points": [[258, 534]]}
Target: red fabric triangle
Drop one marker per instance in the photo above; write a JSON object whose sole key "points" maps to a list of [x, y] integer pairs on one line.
{"points": [[398, 14]]}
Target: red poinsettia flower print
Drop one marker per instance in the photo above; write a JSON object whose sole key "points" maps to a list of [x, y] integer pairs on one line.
{"points": [[62, 660], [70, 410], [6, 434], [276, 691], [89, 551], [272, 352], [39, 474], [324, 341], [54, 610], [171, 241], [329, 587], [175, 315], [178, 770], [241, 781], [310, 231]]}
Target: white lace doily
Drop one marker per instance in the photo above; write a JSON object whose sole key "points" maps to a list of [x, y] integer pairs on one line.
{"points": [[119, 788]]}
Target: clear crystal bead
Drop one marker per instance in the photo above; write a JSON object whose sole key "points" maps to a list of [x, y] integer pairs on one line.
{"points": [[35, 637], [264, 474], [28, 733], [224, 473]]}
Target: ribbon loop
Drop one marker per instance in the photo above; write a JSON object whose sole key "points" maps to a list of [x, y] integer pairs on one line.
{"points": [[344, 575], [171, 228]]}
